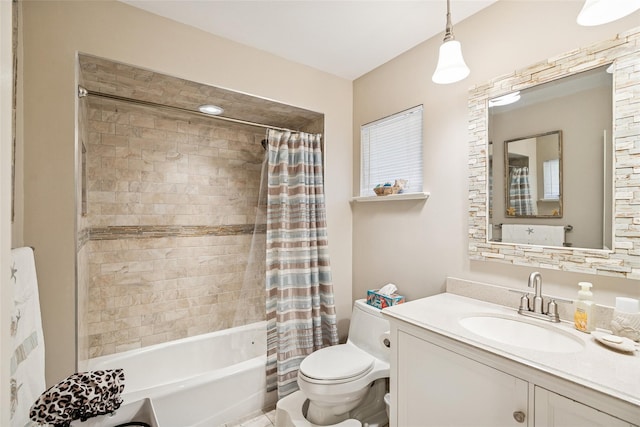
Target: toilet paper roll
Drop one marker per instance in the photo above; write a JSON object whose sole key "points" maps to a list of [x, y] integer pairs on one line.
{"points": [[385, 339]]}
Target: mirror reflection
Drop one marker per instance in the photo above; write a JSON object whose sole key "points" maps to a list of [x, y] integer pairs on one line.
{"points": [[533, 181], [557, 173]]}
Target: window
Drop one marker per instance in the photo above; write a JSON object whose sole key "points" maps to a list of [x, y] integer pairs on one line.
{"points": [[391, 148], [551, 171]]}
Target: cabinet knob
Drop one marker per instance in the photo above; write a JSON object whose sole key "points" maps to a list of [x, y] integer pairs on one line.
{"points": [[519, 416], [386, 342]]}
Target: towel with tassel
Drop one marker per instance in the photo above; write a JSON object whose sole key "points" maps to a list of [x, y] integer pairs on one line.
{"points": [[27, 380], [547, 235]]}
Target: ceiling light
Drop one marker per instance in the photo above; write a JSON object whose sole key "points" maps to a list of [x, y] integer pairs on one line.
{"points": [[451, 66], [213, 110], [507, 99], [597, 12]]}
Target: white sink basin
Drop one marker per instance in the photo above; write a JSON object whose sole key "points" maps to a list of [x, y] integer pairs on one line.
{"points": [[521, 333]]}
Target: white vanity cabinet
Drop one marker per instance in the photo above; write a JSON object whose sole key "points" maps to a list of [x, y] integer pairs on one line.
{"points": [[437, 380], [437, 387], [553, 410]]}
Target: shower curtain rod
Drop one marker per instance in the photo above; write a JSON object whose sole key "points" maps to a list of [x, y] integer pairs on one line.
{"points": [[83, 92]]}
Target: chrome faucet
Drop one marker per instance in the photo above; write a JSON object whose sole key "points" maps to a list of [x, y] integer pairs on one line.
{"points": [[535, 281], [536, 309]]}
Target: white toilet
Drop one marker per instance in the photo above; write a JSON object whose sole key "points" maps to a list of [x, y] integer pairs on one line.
{"points": [[343, 385]]}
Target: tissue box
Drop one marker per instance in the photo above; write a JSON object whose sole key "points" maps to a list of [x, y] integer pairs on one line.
{"points": [[381, 301]]}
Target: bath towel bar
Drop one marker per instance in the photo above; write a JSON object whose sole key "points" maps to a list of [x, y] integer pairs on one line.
{"points": [[566, 227]]}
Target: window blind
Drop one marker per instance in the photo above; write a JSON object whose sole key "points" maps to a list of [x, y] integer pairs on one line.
{"points": [[391, 148]]}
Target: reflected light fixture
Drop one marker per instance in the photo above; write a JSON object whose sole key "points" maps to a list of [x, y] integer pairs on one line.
{"points": [[451, 66], [507, 99], [212, 110], [597, 12]]}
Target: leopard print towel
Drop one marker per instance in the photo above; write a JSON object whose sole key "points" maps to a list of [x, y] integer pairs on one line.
{"points": [[82, 395]]}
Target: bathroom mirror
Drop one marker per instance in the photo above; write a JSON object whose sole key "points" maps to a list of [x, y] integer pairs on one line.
{"points": [[533, 176], [610, 247], [555, 139]]}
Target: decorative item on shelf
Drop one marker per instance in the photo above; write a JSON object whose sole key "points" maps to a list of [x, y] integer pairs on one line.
{"points": [[511, 211], [626, 318], [386, 188], [401, 184]]}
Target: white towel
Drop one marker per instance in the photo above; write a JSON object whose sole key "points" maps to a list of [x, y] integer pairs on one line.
{"points": [[547, 235], [27, 359]]}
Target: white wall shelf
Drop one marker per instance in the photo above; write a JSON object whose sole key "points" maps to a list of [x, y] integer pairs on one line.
{"points": [[392, 197]]}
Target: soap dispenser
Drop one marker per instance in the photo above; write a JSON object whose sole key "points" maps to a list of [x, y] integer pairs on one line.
{"points": [[583, 315]]}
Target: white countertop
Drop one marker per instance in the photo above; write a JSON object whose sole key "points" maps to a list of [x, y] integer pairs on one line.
{"points": [[596, 366]]}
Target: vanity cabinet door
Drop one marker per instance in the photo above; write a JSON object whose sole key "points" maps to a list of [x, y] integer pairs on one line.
{"points": [[553, 410], [438, 387]]}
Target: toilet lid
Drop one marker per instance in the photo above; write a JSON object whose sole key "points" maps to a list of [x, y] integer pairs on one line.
{"points": [[338, 362]]}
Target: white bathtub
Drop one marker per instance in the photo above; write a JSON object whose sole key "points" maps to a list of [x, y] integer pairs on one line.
{"points": [[202, 381]]}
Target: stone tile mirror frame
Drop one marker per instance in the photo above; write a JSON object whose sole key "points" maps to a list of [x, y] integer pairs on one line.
{"points": [[624, 259]]}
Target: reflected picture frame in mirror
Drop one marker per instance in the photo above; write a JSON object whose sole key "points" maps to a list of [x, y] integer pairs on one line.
{"points": [[621, 258], [533, 176]]}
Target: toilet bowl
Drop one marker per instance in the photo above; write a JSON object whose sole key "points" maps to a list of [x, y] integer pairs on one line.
{"points": [[290, 412], [345, 382], [336, 380]]}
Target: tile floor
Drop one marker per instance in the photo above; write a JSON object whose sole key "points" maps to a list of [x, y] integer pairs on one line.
{"points": [[265, 419]]}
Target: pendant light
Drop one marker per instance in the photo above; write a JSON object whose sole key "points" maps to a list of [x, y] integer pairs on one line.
{"points": [[597, 12], [451, 66]]}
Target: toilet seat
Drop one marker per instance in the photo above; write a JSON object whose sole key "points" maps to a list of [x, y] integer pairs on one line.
{"points": [[336, 364]]}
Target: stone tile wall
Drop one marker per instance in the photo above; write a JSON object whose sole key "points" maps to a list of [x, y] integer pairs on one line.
{"points": [[115, 78], [172, 200], [624, 260]]}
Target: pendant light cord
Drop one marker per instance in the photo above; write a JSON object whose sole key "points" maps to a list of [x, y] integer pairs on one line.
{"points": [[448, 34]]}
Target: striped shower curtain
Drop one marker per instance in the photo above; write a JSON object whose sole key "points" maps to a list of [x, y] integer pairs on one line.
{"points": [[520, 192], [300, 308]]}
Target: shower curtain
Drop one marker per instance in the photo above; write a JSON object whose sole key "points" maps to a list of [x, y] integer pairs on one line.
{"points": [[300, 307], [520, 192]]}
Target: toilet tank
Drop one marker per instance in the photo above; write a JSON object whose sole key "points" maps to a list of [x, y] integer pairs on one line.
{"points": [[366, 329]]}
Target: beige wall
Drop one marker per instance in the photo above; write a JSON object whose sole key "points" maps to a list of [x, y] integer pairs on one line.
{"points": [[53, 32], [416, 246]]}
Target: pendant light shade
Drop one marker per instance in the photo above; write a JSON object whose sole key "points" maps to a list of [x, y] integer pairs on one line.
{"points": [[597, 12], [451, 67]]}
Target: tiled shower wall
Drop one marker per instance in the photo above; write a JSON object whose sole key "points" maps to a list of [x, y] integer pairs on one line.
{"points": [[172, 201]]}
